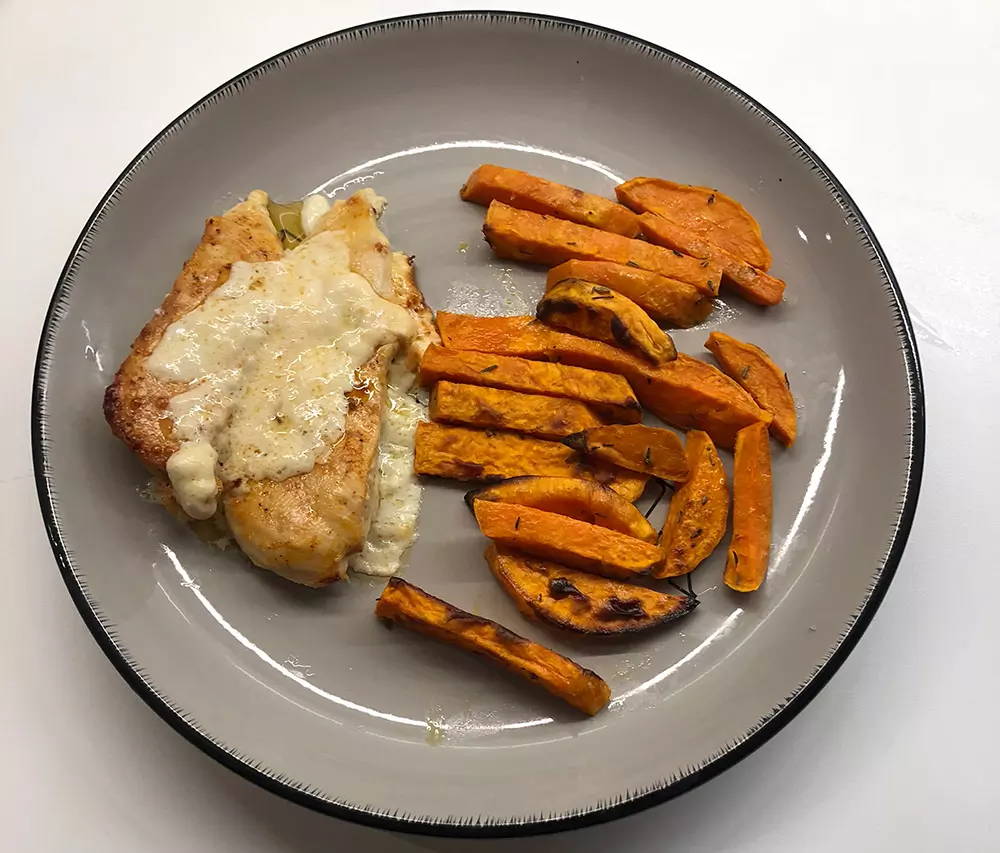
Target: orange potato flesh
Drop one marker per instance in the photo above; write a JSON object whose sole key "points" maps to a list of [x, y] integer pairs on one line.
{"points": [[537, 239], [749, 282], [606, 393], [572, 543], [528, 192], [634, 446], [761, 377], [696, 521], [410, 607], [666, 300], [703, 211], [457, 453], [599, 313], [749, 550], [584, 500], [686, 393], [549, 593], [493, 408]]}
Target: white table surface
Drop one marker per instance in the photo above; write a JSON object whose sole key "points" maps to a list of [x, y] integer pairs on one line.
{"points": [[897, 753]]}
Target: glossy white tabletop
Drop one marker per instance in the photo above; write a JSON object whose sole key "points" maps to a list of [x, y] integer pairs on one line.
{"points": [[897, 753]]}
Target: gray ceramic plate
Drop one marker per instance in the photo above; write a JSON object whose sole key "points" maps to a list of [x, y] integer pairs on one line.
{"points": [[304, 692]]}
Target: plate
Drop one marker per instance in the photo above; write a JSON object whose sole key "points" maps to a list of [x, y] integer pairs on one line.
{"points": [[304, 692]]}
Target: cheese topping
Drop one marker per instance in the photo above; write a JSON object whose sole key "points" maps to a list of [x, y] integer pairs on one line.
{"points": [[394, 525], [269, 356]]}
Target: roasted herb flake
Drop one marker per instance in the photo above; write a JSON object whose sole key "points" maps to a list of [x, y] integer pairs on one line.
{"points": [[648, 458], [517, 522], [696, 533], [711, 199], [704, 499], [489, 369], [632, 264], [679, 254], [745, 372]]}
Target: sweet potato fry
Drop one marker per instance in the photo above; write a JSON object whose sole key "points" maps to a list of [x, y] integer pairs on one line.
{"points": [[464, 454], [494, 408], [537, 239], [749, 282], [597, 312], [691, 394], [607, 394], [686, 393], [746, 563], [584, 500], [549, 593], [573, 543], [636, 447], [666, 300], [696, 521], [703, 211], [757, 373], [411, 607], [527, 192]]}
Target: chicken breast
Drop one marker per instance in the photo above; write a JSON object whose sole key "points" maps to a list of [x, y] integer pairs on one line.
{"points": [[303, 527], [135, 403]]}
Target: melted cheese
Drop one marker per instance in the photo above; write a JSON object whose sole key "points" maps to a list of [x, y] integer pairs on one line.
{"points": [[394, 525], [269, 357]]}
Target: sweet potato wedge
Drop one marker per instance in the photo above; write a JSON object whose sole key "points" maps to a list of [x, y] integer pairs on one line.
{"points": [[686, 393], [761, 377], [410, 607], [537, 239], [691, 394], [549, 593], [607, 394], [584, 500], [527, 192], [742, 278], [696, 521], [703, 211], [464, 454], [597, 312], [746, 563], [636, 447], [494, 408], [573, 543], [666, 300]]}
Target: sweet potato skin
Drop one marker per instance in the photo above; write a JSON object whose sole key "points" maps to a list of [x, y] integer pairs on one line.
{"points": [[703, 211], [597, 312], [493, 408], [749, 282], [666, 300], [410, 607], [686, 393], [549, 593], [636, 447], [458, 453], [608, 394], [536, 239], [749, 550], [754, 370], [699, 509], [573, 543], [527, 192], [584, 500]]}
